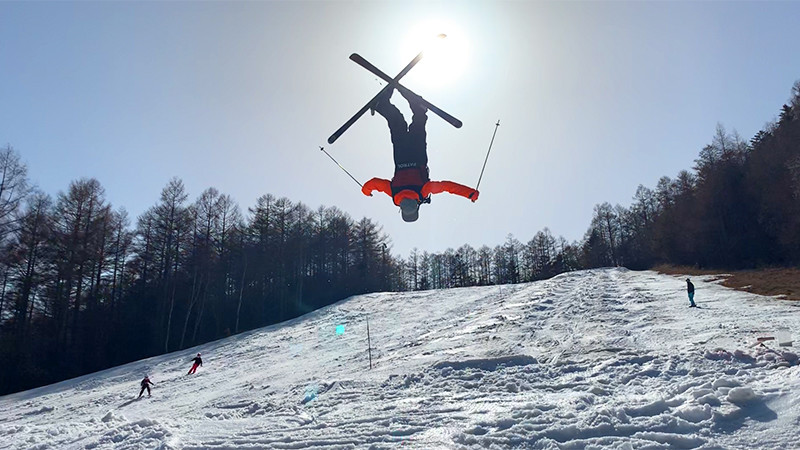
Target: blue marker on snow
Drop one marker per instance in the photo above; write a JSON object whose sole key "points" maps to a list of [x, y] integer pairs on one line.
{"points": [[339, 330], [310, 394]]}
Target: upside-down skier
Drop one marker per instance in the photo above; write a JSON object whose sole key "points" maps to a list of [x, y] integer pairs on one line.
{"points": [[411, 185]]}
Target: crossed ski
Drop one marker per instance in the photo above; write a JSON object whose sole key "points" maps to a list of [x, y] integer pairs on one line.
{"points": [[394, 83]]}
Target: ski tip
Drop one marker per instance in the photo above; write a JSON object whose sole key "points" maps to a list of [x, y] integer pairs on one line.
{"points": [[355, 56], [331, 140]]}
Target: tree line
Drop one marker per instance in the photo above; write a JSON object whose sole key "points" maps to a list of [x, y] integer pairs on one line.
{"points": [[83, 287], [738, 208]]}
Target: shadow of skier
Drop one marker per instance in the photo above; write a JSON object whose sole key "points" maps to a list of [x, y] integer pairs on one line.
{"points": [[128, 402]]}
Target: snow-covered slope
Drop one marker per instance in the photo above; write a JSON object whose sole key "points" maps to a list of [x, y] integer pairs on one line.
{"points": [[603, 358]]}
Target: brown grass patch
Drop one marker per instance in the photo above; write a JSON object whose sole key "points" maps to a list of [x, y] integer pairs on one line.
{"points": [[784, 282]]}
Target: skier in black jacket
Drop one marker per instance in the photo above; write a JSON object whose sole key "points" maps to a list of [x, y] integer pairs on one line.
{"points": [[197, 363], [146, 383], [690, 290]]}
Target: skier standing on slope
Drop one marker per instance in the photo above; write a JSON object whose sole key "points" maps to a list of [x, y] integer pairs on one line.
{"points": [[197, 363], [690, 290], [411, 184], [146, 383]]}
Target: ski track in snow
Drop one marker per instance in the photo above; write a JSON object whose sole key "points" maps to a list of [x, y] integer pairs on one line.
{"points": [[594, 359]]}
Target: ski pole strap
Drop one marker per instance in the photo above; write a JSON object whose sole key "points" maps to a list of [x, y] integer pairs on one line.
{"points": [[497, 125], [340, 166]]}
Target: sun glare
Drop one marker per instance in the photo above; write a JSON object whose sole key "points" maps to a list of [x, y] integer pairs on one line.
{"points": [[446, 54]]}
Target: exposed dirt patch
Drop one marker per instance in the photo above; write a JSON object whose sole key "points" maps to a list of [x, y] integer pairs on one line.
{"points": [[783, 283]]}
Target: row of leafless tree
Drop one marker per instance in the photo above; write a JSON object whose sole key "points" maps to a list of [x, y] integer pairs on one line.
{"points": [[80, 289], [513, 262]]}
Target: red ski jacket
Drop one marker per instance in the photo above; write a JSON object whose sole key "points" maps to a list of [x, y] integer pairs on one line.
{"points": [[430, 187]]}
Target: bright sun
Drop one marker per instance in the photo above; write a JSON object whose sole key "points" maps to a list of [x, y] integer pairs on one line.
{"points": [[445, 58]]}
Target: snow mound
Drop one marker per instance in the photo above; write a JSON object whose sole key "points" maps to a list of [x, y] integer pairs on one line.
{"points": [[742, 396]]}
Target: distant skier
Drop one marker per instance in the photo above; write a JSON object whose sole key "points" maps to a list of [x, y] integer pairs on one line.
{"points": [[146, 383], [411, 184], [690, 290], [197, 363]]}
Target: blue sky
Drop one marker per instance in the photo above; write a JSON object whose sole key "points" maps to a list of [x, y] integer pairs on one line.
{"points": [[594, 98]]}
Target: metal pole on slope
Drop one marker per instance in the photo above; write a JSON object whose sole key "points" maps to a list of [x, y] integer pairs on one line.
{"points": [[340, 166], [487, 153], [369, 345]]}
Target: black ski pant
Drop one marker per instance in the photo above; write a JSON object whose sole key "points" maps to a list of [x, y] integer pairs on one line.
{"points": [[409, 141], [142, 391]]}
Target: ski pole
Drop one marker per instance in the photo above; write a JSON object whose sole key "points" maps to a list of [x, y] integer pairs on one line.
{"points": [[487, 153], [369, 345], [340, 166]]}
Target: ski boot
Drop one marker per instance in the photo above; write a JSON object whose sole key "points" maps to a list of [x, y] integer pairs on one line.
{"points": [[414, 102], [383, 97]]}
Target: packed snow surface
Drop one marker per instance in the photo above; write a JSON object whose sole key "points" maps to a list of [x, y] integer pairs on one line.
{"points": [[593, 359]]}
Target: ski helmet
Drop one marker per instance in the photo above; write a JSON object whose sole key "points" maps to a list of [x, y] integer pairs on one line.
{"points": [[410, 209]]}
